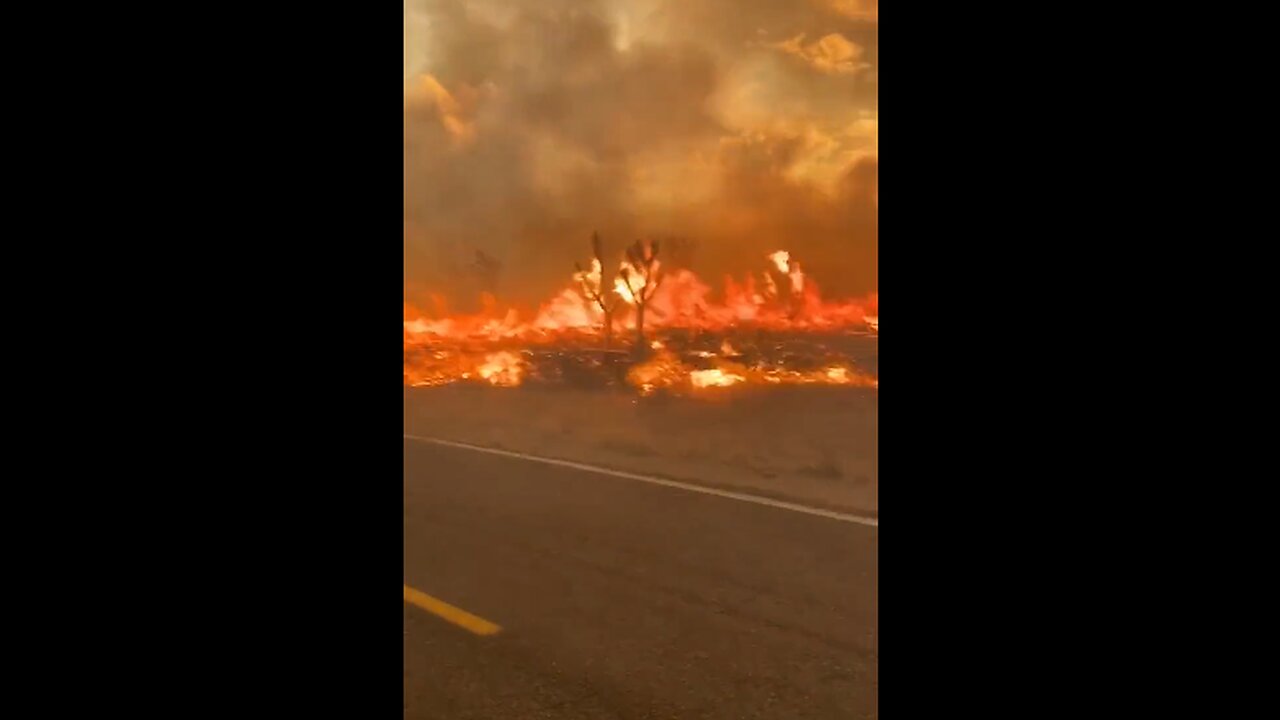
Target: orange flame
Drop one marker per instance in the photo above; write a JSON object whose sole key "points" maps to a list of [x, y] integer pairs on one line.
{"points": [[441, 347], [714, 377], [502, 369]]}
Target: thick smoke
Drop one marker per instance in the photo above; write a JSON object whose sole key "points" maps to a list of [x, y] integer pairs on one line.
{"points": [[743, 125]]}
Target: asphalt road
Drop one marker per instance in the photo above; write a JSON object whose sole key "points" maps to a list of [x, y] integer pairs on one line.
{"points": [[620, 599]]}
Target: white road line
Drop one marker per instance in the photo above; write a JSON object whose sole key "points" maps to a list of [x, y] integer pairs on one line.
{"points": [[744, 497]]}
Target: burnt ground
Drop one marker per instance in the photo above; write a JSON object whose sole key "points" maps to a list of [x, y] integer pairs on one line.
{"points": [[578, 361]]}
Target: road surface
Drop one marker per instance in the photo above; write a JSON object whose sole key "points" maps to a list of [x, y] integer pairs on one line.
{"points": [[604, 597]]}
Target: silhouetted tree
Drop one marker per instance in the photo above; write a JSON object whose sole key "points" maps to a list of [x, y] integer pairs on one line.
{"points": [[595, 289], [641, 275]]}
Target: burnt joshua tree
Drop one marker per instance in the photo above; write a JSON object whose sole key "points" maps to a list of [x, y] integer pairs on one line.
{"points": [[594, 288], [641, 277]]}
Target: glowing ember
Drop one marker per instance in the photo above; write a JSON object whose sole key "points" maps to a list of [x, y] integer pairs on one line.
{"points": [[502, 369], [714, 378], [662, 370]]}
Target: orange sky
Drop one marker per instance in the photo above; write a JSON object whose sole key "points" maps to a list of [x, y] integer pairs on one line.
{"points": [[745, 125]]}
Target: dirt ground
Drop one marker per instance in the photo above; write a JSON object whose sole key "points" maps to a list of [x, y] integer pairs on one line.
{"points": [[816, 445]]}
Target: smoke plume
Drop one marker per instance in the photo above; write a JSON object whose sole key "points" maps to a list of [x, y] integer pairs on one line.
{"points": [[743, 126]]}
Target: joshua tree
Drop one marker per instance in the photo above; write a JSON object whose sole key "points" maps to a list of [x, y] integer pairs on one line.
{"points": [[641, 276], [594, 289]]}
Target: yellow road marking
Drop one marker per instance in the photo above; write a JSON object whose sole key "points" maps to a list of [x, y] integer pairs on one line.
{"points": [[457, 616]]}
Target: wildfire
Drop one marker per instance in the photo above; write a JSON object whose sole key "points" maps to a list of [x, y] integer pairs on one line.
{"points": [[502, 369], [681, 301], [662, 370], [668, 372], [500, 348], [590, 279], [665, 370], [637, 280], [795, 277], [714, 377]]}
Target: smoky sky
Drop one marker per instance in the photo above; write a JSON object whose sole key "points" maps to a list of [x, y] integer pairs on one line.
{"points": [[744, 126]]}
